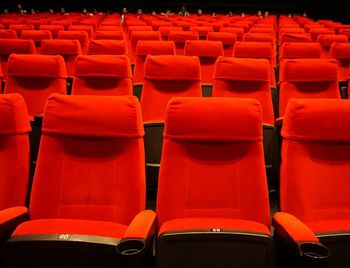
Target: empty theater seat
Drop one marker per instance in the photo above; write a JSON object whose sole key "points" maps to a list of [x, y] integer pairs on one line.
{"points": [[89, 188], [202, 31], [68, 49], [307, 79], [341, 52], [228, 40], [164, 31], [54, 29], [180, 38], [21, 27], [107, 47], [238, 31], [315, 32], [36, 35], [10, 46], [14, 161], [326, 40], [208, 214], [208, 52], [86, 28], [109, 35], [145, 48], [35, 77], [102, 75], [81, 36], [294, 37], [139, 36], [299, 51], [8, 34], [314, 178]]}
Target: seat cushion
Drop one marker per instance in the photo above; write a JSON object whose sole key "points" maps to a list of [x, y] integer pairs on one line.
{"points": [[209, 224], [329, 226], [68, 226]]}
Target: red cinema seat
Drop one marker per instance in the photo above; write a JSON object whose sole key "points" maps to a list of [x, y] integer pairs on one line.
{"points": [[157, 24], [262, 30], [164, 31], [138, 28], [86, 28], [262, 37], [257, 50], [345, 32], [37, 36], [89, 188], [64, 23], [81, 36], [185, 25], [141, 36], [314, 192], [7, 22], [238, 31], [326, 40], [242, 24], [10, 46], [68, 49], [202, 31], [208, 52], [307, 79], [245, 78], [8, 34], [180, 38], [109, 28], [109, 35], [107, 47], [18, 28], [14, 161], [145, 48], [341, 52], [102, 75], [54, 29], [315, 32], [208, 213], [228, 40], [299, 51], [294, 37], [35, 77]]}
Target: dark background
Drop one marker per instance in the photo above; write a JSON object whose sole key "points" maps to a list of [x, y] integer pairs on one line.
{"points": [[320, 9]]}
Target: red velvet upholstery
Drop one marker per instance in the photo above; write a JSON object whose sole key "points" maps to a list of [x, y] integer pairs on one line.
{"points": [[300, 50], [64, 23], [259, 37], [341, 52], [218, 142], [86, 28], [326, 40], [307, 78], [102, 75], [294, 37], [35, 77], [165, 30], [9, 46], [21, 27], [112, 35], [238, 31], [228, 40], [36, 35], [315, 32], [14, 151], [54, 29], [107, 47], [145, 48], [8, 34], [167, 77], [245, 78], [68, 49], [81, 36], [258, 50], [202, 30], [180, 38], [141, 36], [208, 52], [157, 24]]}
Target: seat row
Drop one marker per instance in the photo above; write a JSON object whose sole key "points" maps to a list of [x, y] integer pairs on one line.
{"points": [[87, 201]]}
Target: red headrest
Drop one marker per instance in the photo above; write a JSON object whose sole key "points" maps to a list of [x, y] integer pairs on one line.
{"points": [[300, 50], [265, 37], [145, 48], [21, 27], [107, 47], [60, 47], [173, 68], [183, 36], [139, 28], [103, 66], [52, 28], [7, 34], [295, 37], [115, 35], [144, 35], [309, 70], [239, 69], [36, 66], [327, 40], [201, 29], [322, 31], [226, 38], [14, 116], [262, 30], [79, 35], [9, 46], [36, 35], [253, 50], [237, 30], [317, 120], [164, 31], [340, 50], [96, 116], [64, 23], [213, 119], [204, 48]]}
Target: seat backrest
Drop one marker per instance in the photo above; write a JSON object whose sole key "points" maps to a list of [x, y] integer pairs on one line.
{"points": [[145, 48], [81, 36], [326, 40], [63, 23], [341, 52], [237, 30], [14, 151], [8, 34], [102, 75], [299, 51], [315, 32], [259, 37], [208, 52], [218, 142], [228, 40], [202, 30], [36, 35], [91, 160], [136, 36], [165, 30], [36, 77], [167, 77], [307, 79], [21, 27], [245, 78], [107, 47], [180, 38], [109, 35], [54, 29], [294, 37], [86, 28], [315, 160]]}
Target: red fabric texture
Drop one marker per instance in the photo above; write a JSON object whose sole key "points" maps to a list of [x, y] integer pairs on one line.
{"points": [[245, 78], [294, 37], [81, 36], [341, 52], [20, 27], [102, 75], [8, 34], [35, 77], [237, 30], [69, 226], [89, 143], [202, 30], [299, 50], [167, 77], [157, 24], [36, 35], [217, 141], [165, 30], [54, 29], [64, 23], [109, 35], [141, 225], [180, 38], [307, 78], [262, 30], [227, 39], [145, 48], [86, 28], [208, 224], [326, 40], [259, 37], [9, 214], [315, 32], [14, 150], [329, 226], [316, 138], [138, 36], [107, 47]]}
